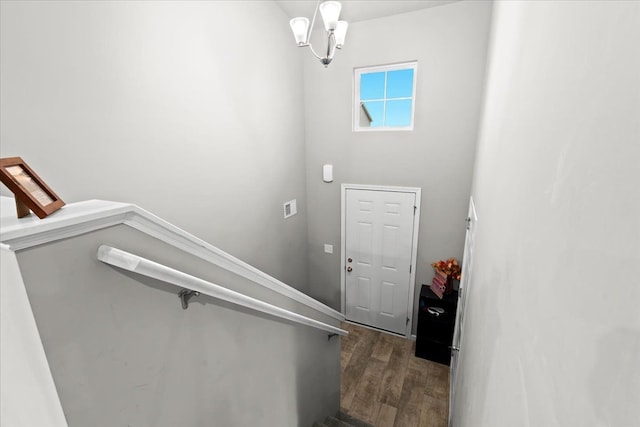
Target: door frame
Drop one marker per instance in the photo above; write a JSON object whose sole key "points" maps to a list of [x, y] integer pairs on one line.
{"points": [[414, 244], [458, 327]]}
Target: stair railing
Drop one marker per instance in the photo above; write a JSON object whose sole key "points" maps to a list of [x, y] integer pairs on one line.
{"points": [[192, 286]]}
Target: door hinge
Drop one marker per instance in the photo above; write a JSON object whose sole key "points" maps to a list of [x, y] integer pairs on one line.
{"points": [[468, 221], [407, 321], [409, 268], [415, 208]]}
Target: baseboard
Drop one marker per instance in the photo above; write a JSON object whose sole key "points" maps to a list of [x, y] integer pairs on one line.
{"points": [[412, 337]]}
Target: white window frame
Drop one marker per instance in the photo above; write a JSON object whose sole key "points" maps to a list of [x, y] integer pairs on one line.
{"points": [[356, 95]]}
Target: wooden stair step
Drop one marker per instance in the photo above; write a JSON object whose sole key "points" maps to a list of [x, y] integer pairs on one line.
{"points": [[334, 422], [351, 420]]}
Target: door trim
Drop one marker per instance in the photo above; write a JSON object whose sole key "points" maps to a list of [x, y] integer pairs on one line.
{"points": [[414, 244], [458, 327]]}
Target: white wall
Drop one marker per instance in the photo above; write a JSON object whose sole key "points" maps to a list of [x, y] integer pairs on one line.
{"points": [[192, 110], [552, 332], [449, 42], [122, 351], [28, 395]]}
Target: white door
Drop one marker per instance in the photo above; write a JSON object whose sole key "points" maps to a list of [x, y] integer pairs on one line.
{"points": [[467, 264], [378, 251]]}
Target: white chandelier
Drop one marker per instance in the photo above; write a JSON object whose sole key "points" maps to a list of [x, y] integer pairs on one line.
{"points": [[335, 30]]}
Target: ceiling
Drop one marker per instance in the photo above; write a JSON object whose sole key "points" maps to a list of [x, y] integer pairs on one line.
{"points": [[360, 10]]}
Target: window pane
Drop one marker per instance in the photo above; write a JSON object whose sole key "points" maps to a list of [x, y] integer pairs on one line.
{"points": [[375, 110], [398, 113], [400, 83], [386, 98], [371, 86]]}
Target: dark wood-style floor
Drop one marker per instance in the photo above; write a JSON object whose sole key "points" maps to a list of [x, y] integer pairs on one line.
{"points": [[384, 384]]}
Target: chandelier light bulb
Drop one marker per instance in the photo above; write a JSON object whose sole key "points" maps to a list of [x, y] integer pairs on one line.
{"points": [[299, 26], [340, 33], [330, 11]]}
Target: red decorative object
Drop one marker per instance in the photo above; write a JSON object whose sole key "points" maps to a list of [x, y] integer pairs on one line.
{"points": [[439, 284], [446, 272], [450, 267]]}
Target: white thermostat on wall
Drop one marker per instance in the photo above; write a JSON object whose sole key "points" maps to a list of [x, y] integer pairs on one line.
{"points": [[327, 173]]}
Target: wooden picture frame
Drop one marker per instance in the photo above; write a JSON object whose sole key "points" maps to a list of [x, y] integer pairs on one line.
{"points": [[31, 192]]}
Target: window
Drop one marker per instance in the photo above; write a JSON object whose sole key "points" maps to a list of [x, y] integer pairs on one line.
{"points": [[384, 97]]}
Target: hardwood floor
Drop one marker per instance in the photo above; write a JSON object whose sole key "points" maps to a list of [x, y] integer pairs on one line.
{"points": [[384, 384]]}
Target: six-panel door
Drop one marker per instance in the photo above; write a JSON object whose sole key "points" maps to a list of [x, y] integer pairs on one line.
{"points": [[378, 245]]}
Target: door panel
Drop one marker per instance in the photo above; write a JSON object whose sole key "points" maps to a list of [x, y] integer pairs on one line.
{"points": [[390, 234], [363, 294], [379, 240], [364, 234], [386, 298]]}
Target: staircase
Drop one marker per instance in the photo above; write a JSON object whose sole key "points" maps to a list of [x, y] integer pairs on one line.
{"points": [[162, 329], [341, 420]]}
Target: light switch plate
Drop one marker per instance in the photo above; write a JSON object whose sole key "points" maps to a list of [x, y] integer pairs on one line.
{"points": [[328, 249], [327, 173]]}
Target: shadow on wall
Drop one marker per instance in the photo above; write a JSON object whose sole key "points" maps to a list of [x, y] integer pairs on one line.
{"points": [[494, 322], [316, 369], [330, 293], [320, 382]]}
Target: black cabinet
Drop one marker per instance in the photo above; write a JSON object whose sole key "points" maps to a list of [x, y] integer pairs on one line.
{"points": [[436, 320]]}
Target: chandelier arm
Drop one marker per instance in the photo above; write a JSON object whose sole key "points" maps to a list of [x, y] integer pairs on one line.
{"points": [[331, 46], [313, 51], [313, 21]]}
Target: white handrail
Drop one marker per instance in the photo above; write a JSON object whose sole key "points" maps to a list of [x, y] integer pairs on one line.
{"points": [[145, 267], [79, 218]]}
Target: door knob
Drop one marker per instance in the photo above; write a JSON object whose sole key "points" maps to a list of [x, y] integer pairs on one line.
{"points": [[349, 269], [349, 260]]}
